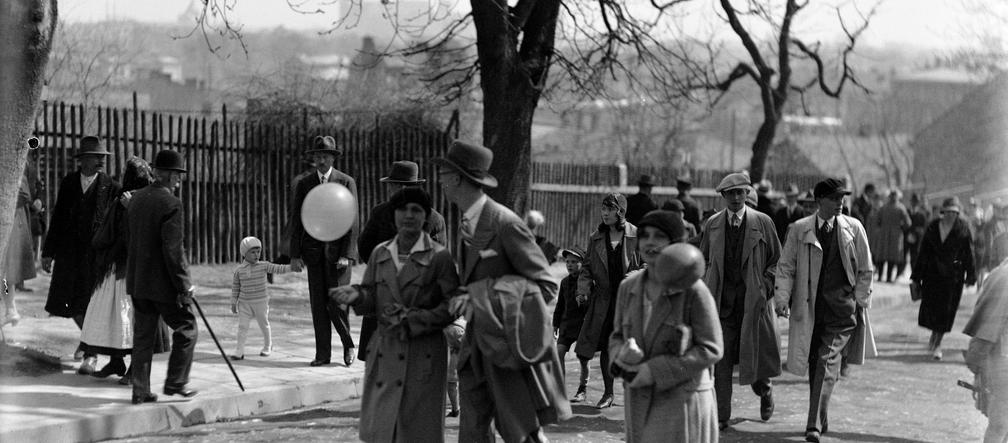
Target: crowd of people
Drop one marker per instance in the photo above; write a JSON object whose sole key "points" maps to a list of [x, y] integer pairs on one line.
{"points": [[671, 299]]}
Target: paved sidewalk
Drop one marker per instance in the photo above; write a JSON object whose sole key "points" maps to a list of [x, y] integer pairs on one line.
{"points": [[66, 407]]}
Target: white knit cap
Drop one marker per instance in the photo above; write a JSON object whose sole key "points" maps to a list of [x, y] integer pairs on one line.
{"points": [[249, 243]]}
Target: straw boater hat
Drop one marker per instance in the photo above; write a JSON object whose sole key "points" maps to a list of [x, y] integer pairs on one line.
{"points": [[91, 145], [404, 173], [471, 160], [325, 144]]}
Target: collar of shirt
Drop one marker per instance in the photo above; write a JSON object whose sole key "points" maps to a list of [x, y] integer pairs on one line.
{"points": [[740, 214], [86, 181], [830, 222], [324, 177], [393, 248], [472, 214]]}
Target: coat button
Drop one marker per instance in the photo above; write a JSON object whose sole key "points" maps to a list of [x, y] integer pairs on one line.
{"points": [[378, 384], [402, 357], [379, 355], [398, 382]]}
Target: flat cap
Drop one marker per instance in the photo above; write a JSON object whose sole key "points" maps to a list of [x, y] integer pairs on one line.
{"points": [[829, 187], [735, 180]]}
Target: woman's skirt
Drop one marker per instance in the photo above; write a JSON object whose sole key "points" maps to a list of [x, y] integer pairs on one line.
{"points": [[108, 323]]}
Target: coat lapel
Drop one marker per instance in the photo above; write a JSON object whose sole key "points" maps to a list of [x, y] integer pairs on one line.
{"points": [[600, 248], [659, 312], [717, 238], [752, 235], [417, 264], [386, 271], [486, 230]]}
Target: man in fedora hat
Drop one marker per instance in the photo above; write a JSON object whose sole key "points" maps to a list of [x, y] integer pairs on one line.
{"points": [[82, 200], [825, 278], [380, 227], [691, 210], [741, 247], [157, 279], [328, 263], [641, 203], [790, 213], [496, 243]]}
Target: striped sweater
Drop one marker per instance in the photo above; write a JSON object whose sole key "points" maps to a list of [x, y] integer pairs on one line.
{"points": [[250, 280]]}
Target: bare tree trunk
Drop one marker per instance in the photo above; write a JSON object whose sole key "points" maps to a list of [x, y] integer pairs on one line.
{"points": [[26, 32], [761, 149]]}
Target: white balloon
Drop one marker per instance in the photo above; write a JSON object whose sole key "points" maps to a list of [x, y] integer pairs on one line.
{"points": [[329, 211]]}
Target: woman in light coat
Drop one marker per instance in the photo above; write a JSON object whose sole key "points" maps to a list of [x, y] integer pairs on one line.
{"points": [[406, 286], [671, 395], [612, 253]]}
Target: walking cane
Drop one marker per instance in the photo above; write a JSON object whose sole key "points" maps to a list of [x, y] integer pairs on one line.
{"points": [[219, 348]]}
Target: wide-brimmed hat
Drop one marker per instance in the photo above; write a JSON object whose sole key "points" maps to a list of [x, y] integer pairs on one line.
{"points": [[169, 160], [91, 145], [791, 190], [647, 180], [471, 160], [404, 173], [325, 144], [829, 187], [736, 180], [951, 204], [684, 183]]}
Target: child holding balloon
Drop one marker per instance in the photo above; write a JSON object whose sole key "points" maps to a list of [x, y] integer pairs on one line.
{"points": [[248, 295]]}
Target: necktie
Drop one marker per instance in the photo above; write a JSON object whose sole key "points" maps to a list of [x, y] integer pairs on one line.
{"points": [[466, 231], [736, 220]]}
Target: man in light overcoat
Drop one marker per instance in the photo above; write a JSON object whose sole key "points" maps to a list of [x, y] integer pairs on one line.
{"points": [[496, 243], [824, 283], [741, 248]]}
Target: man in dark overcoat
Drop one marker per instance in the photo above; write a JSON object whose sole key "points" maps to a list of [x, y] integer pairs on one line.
{"points": [[641, 203], [741, 248], [691, 210], [157, 279], [82, 201], [328, 263], [496, 243], [790, 213], [380, 227]]}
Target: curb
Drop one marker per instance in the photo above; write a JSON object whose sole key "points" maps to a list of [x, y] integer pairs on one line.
{"points": [[169, 413]]}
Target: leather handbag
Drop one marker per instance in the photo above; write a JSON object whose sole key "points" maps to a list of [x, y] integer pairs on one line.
{"points": [[915, 290]]}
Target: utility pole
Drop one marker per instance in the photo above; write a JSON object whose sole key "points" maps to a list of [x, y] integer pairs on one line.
{"points": [[732, 157]]}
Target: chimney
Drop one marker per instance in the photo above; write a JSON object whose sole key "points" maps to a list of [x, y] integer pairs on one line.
{"points": [[368, 46]]}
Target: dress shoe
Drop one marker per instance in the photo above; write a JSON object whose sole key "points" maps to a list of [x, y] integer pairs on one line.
{"points": [[605, 401], [144, 398], [937, 354], [266, 352], [183, 391], [88, 367], [127, 378], [348, 356], [22, 288], [812, 435], [237, 357], [580, 395], [117, 367], [453, 413], [318, 362], [766, 405], [722, 425]]}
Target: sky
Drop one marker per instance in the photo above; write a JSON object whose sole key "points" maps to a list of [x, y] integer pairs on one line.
{"points": [[918, 23]]}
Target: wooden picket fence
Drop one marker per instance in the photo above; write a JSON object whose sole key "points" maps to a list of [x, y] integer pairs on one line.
{"points": [[239, 173]]}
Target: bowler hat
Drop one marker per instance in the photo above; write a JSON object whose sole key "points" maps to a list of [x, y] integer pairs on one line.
{"points": [[169, 160], [471, 160], [404, 173], [325, 144], [736, 180], [91, 145], [647, 180], [830, 186], [683, 183]]}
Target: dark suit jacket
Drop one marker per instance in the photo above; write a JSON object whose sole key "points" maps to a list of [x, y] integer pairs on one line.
{"points": [[305, 246], [380, 227], [691, 210], [638, 205], [781, 221], [156, 267]]}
